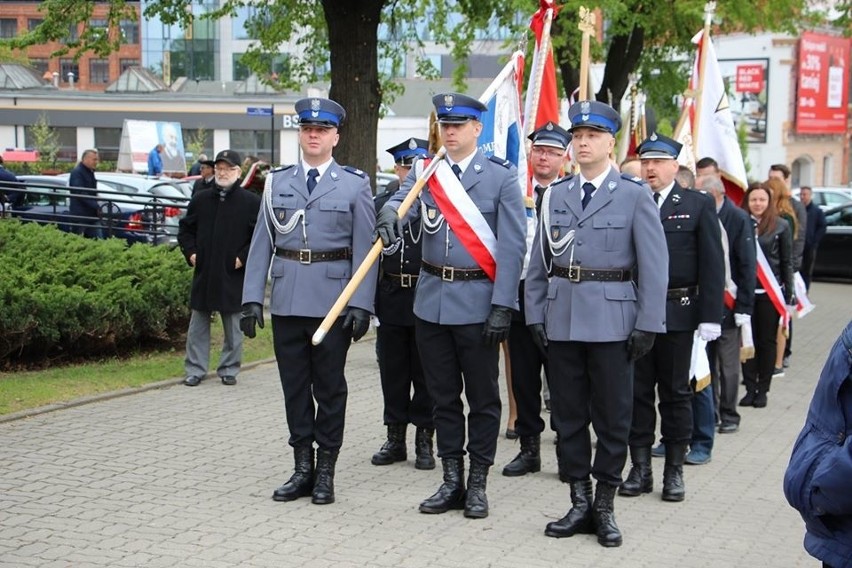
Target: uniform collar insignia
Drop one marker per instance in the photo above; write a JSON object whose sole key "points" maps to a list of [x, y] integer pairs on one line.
{"points": [[571, 184], [333, 175], [477, 167], [676, 198], [611, 185]]}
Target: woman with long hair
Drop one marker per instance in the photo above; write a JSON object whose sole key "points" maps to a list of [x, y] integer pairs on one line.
{"points": [[775, 239], [783, 199]]}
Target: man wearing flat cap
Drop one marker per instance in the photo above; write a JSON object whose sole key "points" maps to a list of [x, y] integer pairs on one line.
{"points": [[399, 362], [696, 278], [214, 237], [474, 231], [547, 154], [312, 233], [597, 230]]}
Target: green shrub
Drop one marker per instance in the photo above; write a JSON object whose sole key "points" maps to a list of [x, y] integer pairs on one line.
{"points": [[66, 296]]}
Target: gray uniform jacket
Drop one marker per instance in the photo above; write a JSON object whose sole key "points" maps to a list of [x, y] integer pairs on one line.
{"points": [[619, 229], [492, 184], [338, 214]]}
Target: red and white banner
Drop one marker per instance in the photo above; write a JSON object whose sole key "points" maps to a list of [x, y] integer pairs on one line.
{"points": [[548, 101], [714, 135], [803, 303], [773, 289], [464, 218], [823, 84]]}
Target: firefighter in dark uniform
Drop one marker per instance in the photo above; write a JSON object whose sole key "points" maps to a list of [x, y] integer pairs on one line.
{"points": [[313, 231], [549, 146], [399, 361], [693, 302], [465, 295]]}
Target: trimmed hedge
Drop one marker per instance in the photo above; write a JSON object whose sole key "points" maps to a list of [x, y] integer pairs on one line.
{"points": [[63, 295]]}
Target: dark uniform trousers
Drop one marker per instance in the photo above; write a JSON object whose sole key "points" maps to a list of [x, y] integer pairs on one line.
{"points": [[594, 385], [667, 368], [311, 372], [459, 359], [400, 369], [526, 361], [757, 371]]}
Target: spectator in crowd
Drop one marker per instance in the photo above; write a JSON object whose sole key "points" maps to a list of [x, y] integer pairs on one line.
{"points": [[207, 179], [406, 398], [684, 177], [155, 161], [775, 239], [10, 195], [195, 169], [85, 209], [817, 481], [814, 232], [214, 236]]}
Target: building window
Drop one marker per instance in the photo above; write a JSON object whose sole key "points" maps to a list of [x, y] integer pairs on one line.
{"points": [[125, 63], [107, 141], [68, 66], [98, 71], [40, 65], [129, 31], [252, 143], [67, 136], [73, 34], [33, 23], [8, 27]]}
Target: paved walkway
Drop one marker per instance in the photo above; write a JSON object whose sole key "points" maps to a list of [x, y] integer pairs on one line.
{"points": [[183, 477]]}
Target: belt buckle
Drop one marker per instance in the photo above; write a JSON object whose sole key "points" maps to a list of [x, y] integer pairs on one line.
{"points": [[573, 273], [447, 273], [304, 256], [405, 280]]}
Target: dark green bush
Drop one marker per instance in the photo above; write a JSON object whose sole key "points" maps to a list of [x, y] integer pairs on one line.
{"points": [[66, 296]]}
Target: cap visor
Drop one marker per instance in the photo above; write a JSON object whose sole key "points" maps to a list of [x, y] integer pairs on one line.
{"points": [[318, 123]]}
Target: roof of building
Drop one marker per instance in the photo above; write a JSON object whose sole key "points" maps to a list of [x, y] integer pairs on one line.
{"points": [[137, 80], [14, 76]]}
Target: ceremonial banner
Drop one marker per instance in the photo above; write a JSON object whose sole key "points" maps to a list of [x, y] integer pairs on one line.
{"points": [[547, 108], [714, 134]]}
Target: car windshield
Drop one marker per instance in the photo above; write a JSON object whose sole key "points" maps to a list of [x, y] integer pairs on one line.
{"points": [[167, 190]]}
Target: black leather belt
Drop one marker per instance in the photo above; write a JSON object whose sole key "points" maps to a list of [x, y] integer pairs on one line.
{"points": [[578, 274], [404, 280], [680, 293], [450, 274], [307, 256]]}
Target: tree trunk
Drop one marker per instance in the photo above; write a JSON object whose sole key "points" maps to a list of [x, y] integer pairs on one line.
{"points": [[621, 60], [353, 39]]}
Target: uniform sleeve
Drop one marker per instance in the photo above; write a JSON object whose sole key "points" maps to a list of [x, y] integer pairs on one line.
{"points": [[746, 268], [259, 258], [251, 210], [535, 285], [511, 241], [363, 223], [711, 264], [649, 241]]}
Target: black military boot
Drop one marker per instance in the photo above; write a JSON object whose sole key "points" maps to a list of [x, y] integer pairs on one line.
{"points": [[450, 494], [579, 517], [673, 488], [528, 460], [640, 479], [424, 458], [394, 449], [604, 516], [476, 502], [324, 483], [301, 483]]}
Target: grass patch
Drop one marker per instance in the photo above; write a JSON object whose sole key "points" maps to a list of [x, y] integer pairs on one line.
{"points": [[31, 389]]}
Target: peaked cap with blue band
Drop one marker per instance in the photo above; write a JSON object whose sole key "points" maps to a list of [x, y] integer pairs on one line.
{"points": [[659, 147], [404, 153], [550, 134], [320, 112], [454, 108], [594, 114]]}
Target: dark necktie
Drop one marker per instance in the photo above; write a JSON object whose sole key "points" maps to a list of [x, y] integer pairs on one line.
{"points": [[588, 190], [313, 174], [457, 170], [657, 198], [539, 196]]}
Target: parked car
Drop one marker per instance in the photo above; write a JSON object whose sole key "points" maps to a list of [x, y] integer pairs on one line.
{"points": [[834, 256], [382, 181], [828, 197], [47, 200]]}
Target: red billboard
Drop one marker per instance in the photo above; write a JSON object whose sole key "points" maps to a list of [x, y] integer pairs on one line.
{"points": [[823, 87], [749, 79]]}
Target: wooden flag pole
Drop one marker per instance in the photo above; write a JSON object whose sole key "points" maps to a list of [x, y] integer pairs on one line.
{"points": [[587, 26], [376, 250], [709, 9]]}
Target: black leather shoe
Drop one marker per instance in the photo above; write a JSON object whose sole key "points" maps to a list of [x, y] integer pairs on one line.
{"points": [[728, 428], [604, 516], [760, 400], [450, 494], [640, 479], [528, 460], [748, 399], [393, 450], [229, 381], [301, 483], [673, 486], [476, 502], [192, 381], [579, 517], [323, 493], [424, 455], [511, 434]]}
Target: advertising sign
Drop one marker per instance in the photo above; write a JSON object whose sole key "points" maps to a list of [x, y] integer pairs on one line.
{"points": [[747, 84], [823, 86], [138, 139]]}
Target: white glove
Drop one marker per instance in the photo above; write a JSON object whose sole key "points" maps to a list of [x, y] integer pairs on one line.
{"points": [[709, 331], [742, 319]]}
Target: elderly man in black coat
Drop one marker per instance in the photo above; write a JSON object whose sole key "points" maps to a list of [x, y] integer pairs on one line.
{"points": [[214, 236]]}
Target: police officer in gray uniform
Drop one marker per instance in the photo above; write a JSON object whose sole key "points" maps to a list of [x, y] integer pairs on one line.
{"points": [[313, 229], [596, 230], [464, 297]]}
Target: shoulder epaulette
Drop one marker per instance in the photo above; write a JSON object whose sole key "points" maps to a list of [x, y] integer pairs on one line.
{"points": [[282, 168], [502, 161], [355, 171], [635, 179], [562, 179]]}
